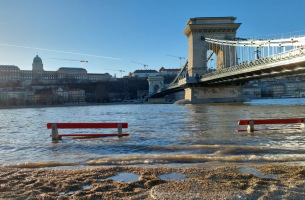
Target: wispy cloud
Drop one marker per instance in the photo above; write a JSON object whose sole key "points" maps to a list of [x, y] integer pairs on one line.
{"points": [[60, 51]]}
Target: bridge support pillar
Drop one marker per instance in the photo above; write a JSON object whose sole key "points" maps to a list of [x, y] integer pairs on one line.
{"points": [[219, 94]]}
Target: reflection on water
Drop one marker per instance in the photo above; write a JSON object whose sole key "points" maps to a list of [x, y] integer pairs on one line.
{"points": [[158, 134], [173, 176], [72, 192], [125, 177], [256, 172]]}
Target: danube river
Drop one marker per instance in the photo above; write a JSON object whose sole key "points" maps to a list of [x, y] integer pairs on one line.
{"points": [[169, 135]]}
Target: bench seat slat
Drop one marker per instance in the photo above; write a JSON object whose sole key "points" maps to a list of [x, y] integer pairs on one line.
{"points": [[270, 129], [86, 125], [271, 121]]}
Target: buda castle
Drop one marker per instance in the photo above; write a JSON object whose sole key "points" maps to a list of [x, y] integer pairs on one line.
{"points": [[12, 73]]}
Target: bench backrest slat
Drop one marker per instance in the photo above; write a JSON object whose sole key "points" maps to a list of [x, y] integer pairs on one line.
{"points": [[271, 121], [86, 125]]}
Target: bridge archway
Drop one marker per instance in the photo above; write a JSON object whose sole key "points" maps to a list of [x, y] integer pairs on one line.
{"points": [[156, 87], [155, 83], [216, 57], [200, 28]]}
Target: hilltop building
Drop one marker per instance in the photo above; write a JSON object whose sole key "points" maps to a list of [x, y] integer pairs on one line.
{"points": [[12, 73], [144, 73], [170, 72], [150, 72]]}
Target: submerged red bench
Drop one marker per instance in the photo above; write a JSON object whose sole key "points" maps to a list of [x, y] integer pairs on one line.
{"points": [[251, 123], [56, 126]]}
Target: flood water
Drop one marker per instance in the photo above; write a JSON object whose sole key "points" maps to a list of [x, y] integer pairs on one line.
{"points": [[159, 134]]}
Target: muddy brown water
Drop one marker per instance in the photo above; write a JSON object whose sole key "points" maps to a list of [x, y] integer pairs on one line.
{"points": [[159, 135]]}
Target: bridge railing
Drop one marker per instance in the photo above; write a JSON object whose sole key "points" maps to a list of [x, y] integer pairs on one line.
{"points": [[274, 58], [179, 73], [239, 50], [174, 83], [294, 34], [167, 87]]}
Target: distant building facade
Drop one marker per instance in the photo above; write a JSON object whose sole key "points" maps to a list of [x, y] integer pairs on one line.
{"points": [[275, 90], [170, 72], [16, 98], [76, 96], [144, 73], [59, 95], [44, 96], [292, 87], [251, 91], [149, 72], [11, 73]]}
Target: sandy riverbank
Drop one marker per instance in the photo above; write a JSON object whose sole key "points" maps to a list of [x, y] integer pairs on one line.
{"points": [[268, 182]]}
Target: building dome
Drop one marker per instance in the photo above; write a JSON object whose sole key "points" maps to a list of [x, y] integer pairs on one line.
{"points": [[37, 59]]}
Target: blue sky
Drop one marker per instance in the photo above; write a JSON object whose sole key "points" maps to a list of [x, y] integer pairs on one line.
{"points": [[143, 31]]}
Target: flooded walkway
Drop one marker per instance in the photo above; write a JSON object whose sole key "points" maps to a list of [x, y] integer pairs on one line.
{"points": [[159, 135]]}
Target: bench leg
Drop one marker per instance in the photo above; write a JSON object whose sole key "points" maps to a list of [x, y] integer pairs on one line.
{"points": [[55, 136], [250, 127], [119, 130], [303, 125]]}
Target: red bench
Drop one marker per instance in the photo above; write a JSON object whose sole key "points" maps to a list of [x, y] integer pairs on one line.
{"points": [[56, 126], [251, 124]]}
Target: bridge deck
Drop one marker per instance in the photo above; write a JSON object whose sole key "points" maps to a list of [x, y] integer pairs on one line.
{"points": [[288, 63]]}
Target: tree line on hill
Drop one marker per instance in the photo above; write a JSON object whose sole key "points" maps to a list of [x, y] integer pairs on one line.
{"points": [[96, 92], [124, 88]]}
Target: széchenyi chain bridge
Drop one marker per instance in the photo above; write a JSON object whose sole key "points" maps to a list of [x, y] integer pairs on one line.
{"points": [[239, 59]]}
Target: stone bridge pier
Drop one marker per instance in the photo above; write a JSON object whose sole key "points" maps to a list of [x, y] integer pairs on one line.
{"points": [[219, 94], [196, 31]]}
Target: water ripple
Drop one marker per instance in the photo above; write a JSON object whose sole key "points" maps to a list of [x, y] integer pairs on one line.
{"points": [[158, 134]]}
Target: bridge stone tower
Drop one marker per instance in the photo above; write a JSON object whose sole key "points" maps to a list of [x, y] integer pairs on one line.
{"points": [[200, 28], [155, 83]]}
